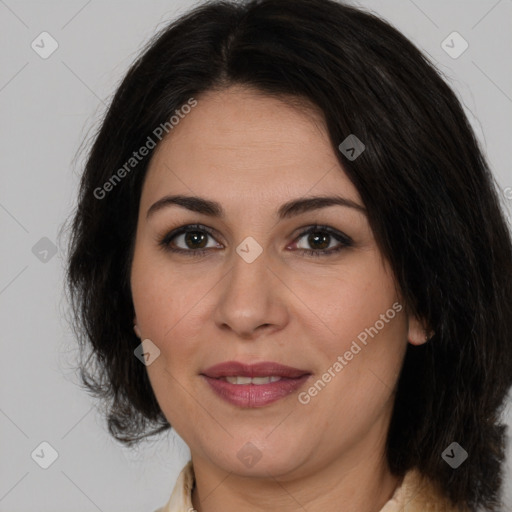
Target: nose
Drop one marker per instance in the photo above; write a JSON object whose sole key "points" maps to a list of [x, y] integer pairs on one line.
{"points": [[252, 299]]}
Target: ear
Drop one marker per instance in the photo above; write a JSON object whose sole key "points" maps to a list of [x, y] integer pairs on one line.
{"points": [[418, 332], [136, 327]]}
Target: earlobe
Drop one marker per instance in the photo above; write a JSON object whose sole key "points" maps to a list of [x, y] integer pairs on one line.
{"points": [[136, 328], [417, 333]]}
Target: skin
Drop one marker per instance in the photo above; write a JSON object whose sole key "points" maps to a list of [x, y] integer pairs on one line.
{"points": [[252, 153]]}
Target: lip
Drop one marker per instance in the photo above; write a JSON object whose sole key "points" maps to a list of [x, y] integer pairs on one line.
{"points": [[263, 369], [254, 395]]}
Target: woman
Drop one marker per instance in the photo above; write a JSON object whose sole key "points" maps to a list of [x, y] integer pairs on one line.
{"points": [[289, 247]]}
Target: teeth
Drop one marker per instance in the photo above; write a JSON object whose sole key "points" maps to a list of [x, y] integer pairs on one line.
{"points": [[254, 380], [239, 380]]}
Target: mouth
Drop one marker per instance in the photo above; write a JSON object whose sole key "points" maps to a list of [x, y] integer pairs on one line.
{"points": [[254, 385]]}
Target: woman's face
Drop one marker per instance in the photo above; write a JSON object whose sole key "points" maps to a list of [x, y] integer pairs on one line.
{"points": [[256, 296]]}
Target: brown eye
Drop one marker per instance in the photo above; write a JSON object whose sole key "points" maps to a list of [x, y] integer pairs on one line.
{"points": [[319, 238], [195, 239], [191, 239]]}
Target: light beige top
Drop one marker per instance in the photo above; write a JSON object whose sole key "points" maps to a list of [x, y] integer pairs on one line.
{"points": [[415, 494]]}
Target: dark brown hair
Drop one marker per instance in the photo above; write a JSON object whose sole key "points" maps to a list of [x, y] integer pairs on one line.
{"points": [[431, 200]]}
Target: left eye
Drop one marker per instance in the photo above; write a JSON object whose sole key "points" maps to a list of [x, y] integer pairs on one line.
{"points": [[318, 239], [317, 236], [195, 237]]}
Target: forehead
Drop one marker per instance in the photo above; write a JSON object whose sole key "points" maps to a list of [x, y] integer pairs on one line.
{"points": [[239, 141]]}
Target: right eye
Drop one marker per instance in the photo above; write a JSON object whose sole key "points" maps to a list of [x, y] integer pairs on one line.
{"points": [[193, 238]]}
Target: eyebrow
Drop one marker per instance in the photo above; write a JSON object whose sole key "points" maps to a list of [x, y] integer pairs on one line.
{"points": [[287, 210]]}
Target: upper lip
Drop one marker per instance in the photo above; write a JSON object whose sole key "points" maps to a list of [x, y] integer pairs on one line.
{"points": [[262, 369]]}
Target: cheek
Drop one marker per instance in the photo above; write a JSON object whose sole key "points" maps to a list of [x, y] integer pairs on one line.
{"points": [[348, 302], [164, 305], [162, 296], [364, 324], [167, 310]]}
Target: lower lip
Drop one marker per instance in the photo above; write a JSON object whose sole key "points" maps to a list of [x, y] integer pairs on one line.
{"points": [[254, 395]]}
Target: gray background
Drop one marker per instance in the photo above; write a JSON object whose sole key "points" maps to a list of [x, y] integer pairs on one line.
{"points": [[48, 106]]}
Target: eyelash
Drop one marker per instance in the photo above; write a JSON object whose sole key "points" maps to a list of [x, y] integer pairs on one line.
{"points": [[165, 241]]}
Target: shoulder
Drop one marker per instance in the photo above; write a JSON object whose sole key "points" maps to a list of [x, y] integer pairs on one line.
{"points": [[181, 497], [417, 493]]}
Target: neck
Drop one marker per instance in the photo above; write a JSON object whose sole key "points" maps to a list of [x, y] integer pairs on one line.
{"points": [[361, 481]]}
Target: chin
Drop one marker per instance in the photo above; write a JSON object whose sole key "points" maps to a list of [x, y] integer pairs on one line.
{"points": [[261, 459]]}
